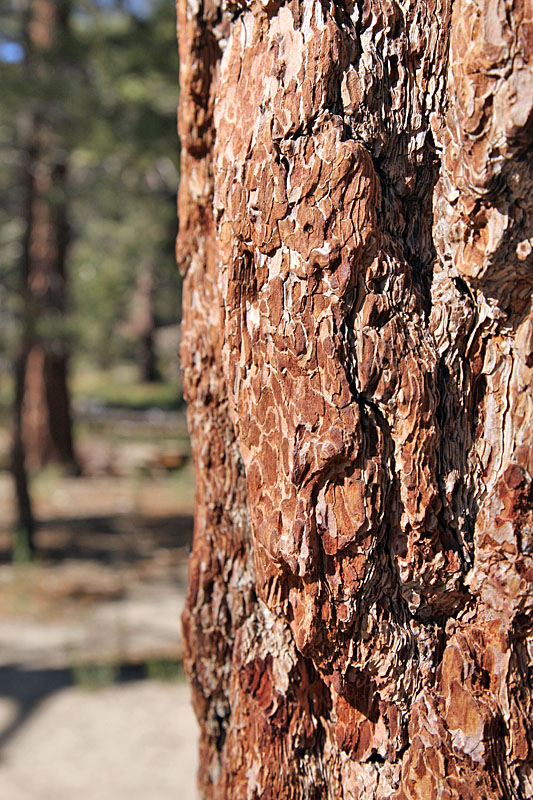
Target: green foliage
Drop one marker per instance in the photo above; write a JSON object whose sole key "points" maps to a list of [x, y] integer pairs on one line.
{"points": [[160, 669], [21, 549], [125, 173], [92, 676], [109, 92], [119, 388]]}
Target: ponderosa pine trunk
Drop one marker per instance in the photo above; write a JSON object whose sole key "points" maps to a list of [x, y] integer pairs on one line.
{"points": [[356, 230], [42, 365]]}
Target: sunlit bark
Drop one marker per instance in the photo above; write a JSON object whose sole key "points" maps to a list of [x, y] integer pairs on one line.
{"points": [[356, 232]]}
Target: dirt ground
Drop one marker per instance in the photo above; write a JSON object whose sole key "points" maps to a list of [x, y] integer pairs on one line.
{"points": [[93, 702], [134, 741]]}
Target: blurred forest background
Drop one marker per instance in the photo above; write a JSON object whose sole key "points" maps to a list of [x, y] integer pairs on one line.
{"points": [[89, 291], [96, 485]]}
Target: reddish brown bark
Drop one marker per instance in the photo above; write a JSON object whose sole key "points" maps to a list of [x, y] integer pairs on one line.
{"points": [[356, 233], [45, 415]]}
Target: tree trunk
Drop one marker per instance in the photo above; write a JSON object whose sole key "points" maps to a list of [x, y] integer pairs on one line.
{"points": [[46, 418], [143, 324], [26, 519], [356, 229]]}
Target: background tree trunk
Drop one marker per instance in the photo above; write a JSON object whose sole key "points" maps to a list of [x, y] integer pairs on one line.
{"points": [[356, 231], [45, 415], [143, 323], [26, 519]]}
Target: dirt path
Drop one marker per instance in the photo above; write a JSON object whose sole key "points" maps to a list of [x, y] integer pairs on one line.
{"points": [[129, 742], [101, 608]]}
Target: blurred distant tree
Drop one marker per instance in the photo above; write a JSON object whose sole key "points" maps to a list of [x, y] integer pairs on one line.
{"points": [[42, 360], [88, 178], [143, 322], [125, 175], [106, 93]]}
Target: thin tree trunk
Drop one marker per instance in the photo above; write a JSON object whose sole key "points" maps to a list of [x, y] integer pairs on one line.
{"points": [[46, 412], [143, 324], [356, 230], [19, 467], [26, 519]]}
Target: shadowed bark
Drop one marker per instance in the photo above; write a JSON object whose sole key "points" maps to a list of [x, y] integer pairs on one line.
{"points": [[356, 233]]}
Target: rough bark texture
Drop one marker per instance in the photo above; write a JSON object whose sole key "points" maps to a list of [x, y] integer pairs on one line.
{"points": [[356, 232]]}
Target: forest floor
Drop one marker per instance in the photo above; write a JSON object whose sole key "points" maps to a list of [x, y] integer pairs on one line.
{"points": [[93, 702]]}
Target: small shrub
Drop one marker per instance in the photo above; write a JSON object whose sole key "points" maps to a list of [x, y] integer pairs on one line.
{"points": [[160, 669], [92, 676]]}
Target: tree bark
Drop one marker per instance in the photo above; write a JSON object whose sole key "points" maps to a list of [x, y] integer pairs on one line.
{"points": [[46, 418], [143, 324], [356, 230]]}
